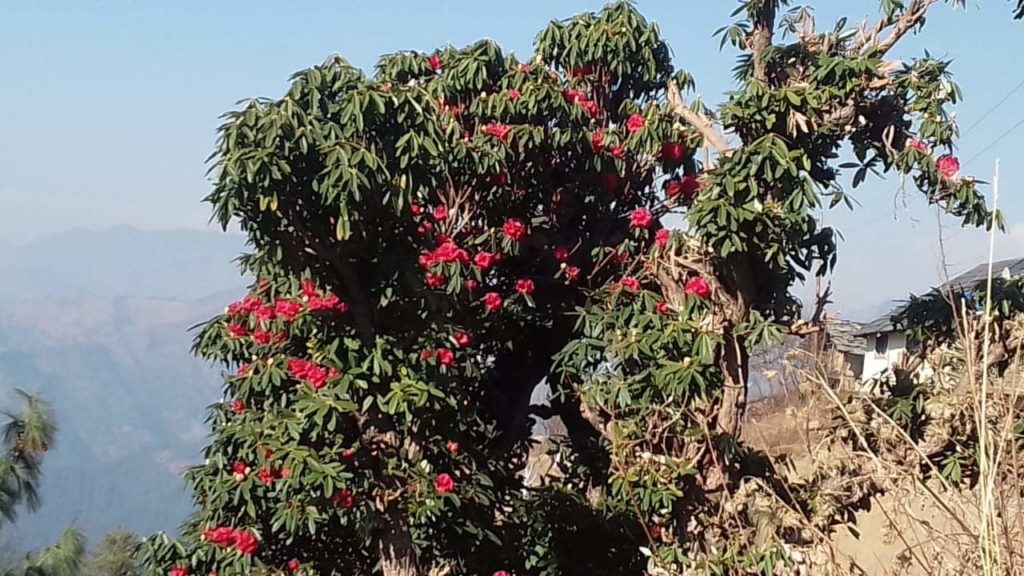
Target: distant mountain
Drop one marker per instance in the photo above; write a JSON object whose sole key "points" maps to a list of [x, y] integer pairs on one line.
{"points": [[98, 322], [122, 261]]}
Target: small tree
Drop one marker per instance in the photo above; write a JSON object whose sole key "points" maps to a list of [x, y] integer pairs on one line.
{"points": [[114, 555], [432, 242]]}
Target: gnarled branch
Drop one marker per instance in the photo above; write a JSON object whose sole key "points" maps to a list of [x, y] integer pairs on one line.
{"points": [[701, 123]]}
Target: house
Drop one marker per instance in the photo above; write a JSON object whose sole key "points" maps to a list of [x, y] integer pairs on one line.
{"points": [[871, 349]]}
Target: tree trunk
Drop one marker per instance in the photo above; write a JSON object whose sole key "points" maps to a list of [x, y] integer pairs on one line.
{"points": [[397, 555], [734, 365]]}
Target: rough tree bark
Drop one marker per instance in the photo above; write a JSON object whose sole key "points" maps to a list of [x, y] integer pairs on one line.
{"points": [[397, 555]]}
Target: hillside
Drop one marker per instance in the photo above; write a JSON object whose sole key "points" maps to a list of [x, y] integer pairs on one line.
{"points": [[98, 322]]}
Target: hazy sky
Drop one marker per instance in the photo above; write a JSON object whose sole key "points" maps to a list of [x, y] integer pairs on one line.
{"points": [[109, 108]]}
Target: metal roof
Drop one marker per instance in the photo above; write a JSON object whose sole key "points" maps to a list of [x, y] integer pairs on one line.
{"points": [[843, 335], [972, 278]]}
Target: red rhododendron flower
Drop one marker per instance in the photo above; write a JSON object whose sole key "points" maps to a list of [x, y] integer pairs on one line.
{"points": [[524, 286], [425, 228], [462, 339], [237, 330], [630, 283], [597, 139], [294, 566], [261, 336], [246, 543], [697, 286], [513, 229], [238, 406], [449, 252], [416, 209], [919, 145], [326, 303], [287, 309], [266, 313], [318, 377], [571, 273], [445, 356], [635, 123], [573, 95], [513, 94], [948, 166], [233, 309], [344, 498], [299, 368], [641, 218], [179, 571], [617, 151], [452, 446], [284, 472], [589, 106], [435, 280], [499, 131], [222, 536], [492, 301], [308, 289], [662, 308], [661, 237], [501, 573], [244, 369], [560, 253], [484, 260], [441, 212], [444, 484], [435, 62], [251, 303], [426, 355], [470, 284], [349, 453], [610, 180], [672, 152], [266, 476]]}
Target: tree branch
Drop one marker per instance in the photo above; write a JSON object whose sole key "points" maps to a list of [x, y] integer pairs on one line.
{"points": [[902, 23], [761, 37], [702, 124]]}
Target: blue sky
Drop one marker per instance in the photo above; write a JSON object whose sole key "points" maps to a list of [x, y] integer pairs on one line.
{"points": [[109, 108]]}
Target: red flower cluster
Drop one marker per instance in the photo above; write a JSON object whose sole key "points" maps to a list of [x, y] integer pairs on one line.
{"points": [[435, 62], [919, 145], [580, 98], [316, 375], [445, 356], [441, 212], [630, 283], [452, 446], [617, 151], [948, 166], [238, 406], [697, 286], [688, 186], [179, 571], [524, 286], [560, 253], [513, 229], [661, 237], [240, 470], [635, 123], [343, 498], [492, 301], [641, 218], [294, 565], [446, 253], [444, 484], [597, 139], [435, 281], [571, 273], [462, 339], [287, 309], [329, 302], [267, 475], [672, 152], [662, 308], [224, 537], [499, 131], [484, 260], [513, 94], [237, 330]]}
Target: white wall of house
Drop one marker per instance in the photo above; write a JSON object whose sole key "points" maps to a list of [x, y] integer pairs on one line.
{"points": [[875, 361]]}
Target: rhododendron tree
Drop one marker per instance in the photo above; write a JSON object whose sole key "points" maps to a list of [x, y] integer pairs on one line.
{"points": [[433, 241]]}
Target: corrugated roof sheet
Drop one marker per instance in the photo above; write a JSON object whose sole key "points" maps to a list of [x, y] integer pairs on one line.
{"points": [[843, 336]]}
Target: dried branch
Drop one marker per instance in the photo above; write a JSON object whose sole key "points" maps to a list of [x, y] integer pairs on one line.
{"points": [[701, 123]]}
